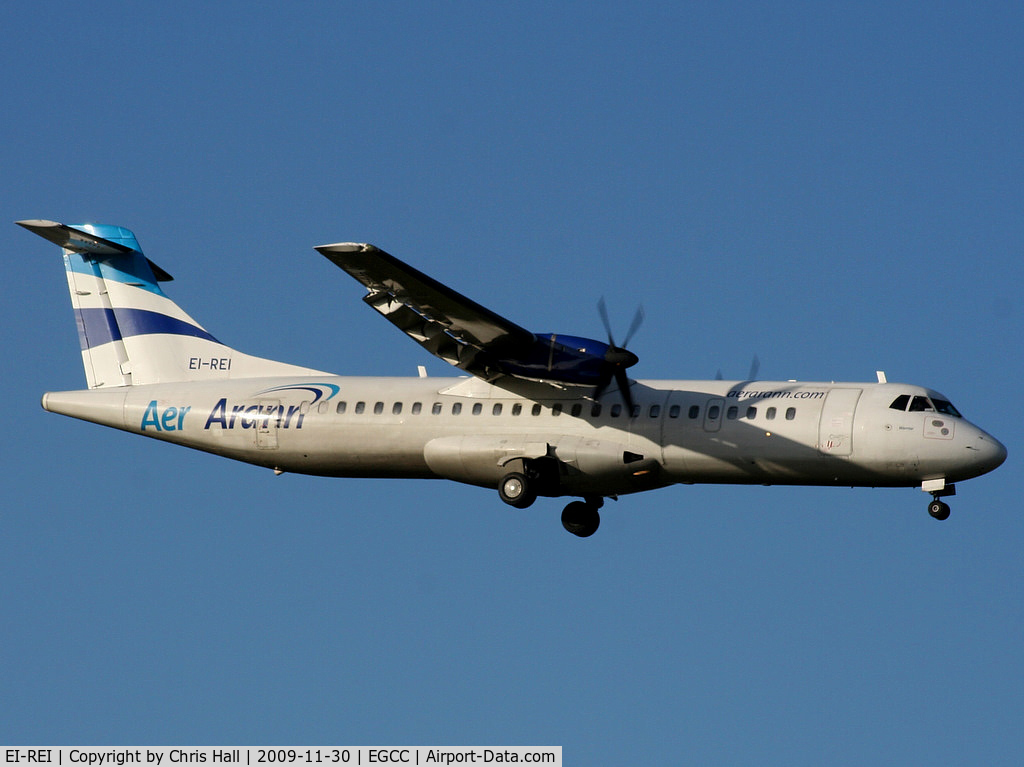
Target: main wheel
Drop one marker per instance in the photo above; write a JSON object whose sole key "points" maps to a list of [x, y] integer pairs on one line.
{"points": [[515, 490], [938, 509], [581, 519]]}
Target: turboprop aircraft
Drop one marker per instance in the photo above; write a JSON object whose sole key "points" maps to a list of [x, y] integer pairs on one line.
{"points": [[539, 414]]}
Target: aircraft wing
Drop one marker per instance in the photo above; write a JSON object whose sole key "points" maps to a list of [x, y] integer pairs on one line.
{"points": [[446, 323]]}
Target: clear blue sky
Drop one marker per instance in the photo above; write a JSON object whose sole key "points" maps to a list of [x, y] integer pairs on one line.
{"points": [[834, 187]]}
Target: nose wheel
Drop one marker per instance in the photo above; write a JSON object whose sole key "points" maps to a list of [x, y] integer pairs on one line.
{"points": [[938, 509]]}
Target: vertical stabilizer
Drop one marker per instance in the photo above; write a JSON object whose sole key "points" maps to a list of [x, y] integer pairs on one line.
{"points": [[130, 332]]}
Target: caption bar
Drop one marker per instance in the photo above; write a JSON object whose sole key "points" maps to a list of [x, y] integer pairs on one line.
{"points": [[95, 756]]}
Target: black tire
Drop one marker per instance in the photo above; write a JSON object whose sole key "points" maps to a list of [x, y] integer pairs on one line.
{"points": [[581, 519], [938, 510], [516, 490]]}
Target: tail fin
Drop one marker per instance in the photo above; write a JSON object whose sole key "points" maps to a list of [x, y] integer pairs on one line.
{"points": [[131, 333]]}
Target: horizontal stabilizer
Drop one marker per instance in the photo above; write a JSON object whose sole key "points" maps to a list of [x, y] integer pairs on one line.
{"points": [[80, 241]]}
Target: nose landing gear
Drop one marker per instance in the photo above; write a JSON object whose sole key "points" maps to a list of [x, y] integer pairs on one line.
{"points": [[938, 489], [938, 509]]}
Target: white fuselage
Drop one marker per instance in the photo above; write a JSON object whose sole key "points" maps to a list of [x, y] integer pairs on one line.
{"points": [[467, 430]]}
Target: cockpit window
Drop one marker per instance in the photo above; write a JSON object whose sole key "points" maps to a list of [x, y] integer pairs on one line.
{"points": [[901, 402], [921, 404], [946, 408]]}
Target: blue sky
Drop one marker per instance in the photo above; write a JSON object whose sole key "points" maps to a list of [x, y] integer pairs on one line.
{"points": [[833, 187]]}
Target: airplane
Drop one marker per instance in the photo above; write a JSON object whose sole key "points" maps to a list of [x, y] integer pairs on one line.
{"points": [[533, 415]]}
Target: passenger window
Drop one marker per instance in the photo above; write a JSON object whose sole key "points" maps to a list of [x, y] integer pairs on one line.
{"points": [[304, 407], [790, 413], [595, 411], [694, 412], [713, 412], [655, 411], [496, 410], [536, 410], [436, 409], [732, 412], [673, 412], [396, 409], [751, 413], [456, 408], [323, 407], [577, 408], [770, 414], [417, 407], [920, 405], [901, 402], [616, 411], [360, 407], [378, 408], [477, 408], [340, 410], [556, 409], [636, 411], [517, 409]]}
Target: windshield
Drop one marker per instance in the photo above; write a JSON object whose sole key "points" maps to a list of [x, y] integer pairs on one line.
{"points": [[920, 404], [946, 408]]}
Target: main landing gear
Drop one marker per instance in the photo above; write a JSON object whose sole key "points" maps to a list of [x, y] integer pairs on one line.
{"points": [[519, 490], [581, 517]]}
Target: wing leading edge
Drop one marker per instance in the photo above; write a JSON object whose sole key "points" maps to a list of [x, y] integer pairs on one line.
{"points": [[470, 336]]}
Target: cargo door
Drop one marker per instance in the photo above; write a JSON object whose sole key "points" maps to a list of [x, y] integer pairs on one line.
{"points": [[835, 429]]}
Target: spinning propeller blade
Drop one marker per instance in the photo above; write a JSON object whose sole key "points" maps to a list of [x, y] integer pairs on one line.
{"points": [[618, 358]]}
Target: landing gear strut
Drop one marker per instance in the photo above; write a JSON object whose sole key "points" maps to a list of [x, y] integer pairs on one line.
{"points": [[581, 517]]}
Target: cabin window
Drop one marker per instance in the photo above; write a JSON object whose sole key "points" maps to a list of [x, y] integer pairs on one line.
{"points": [[732, 413], [360, 407], [770, 414], [436, 409], [322, 408], [535, 410], [396, 409], [694, 412], [595, 411], [920, 405], [378, 408], [417, 407], [556, 409], [790, 413], [340, 409], [713, 412], [456, 408], [577, 408], [655, 411], [673, 412], [496, 410], [616, 411], [477, 408], [635, 411], [751, 413], [517, 409]]}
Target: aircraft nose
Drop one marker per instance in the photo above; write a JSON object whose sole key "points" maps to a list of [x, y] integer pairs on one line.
{"points": [[989, 452]]}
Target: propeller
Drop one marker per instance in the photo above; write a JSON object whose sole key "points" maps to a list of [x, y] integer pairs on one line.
{"points": [[618, 358]]}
